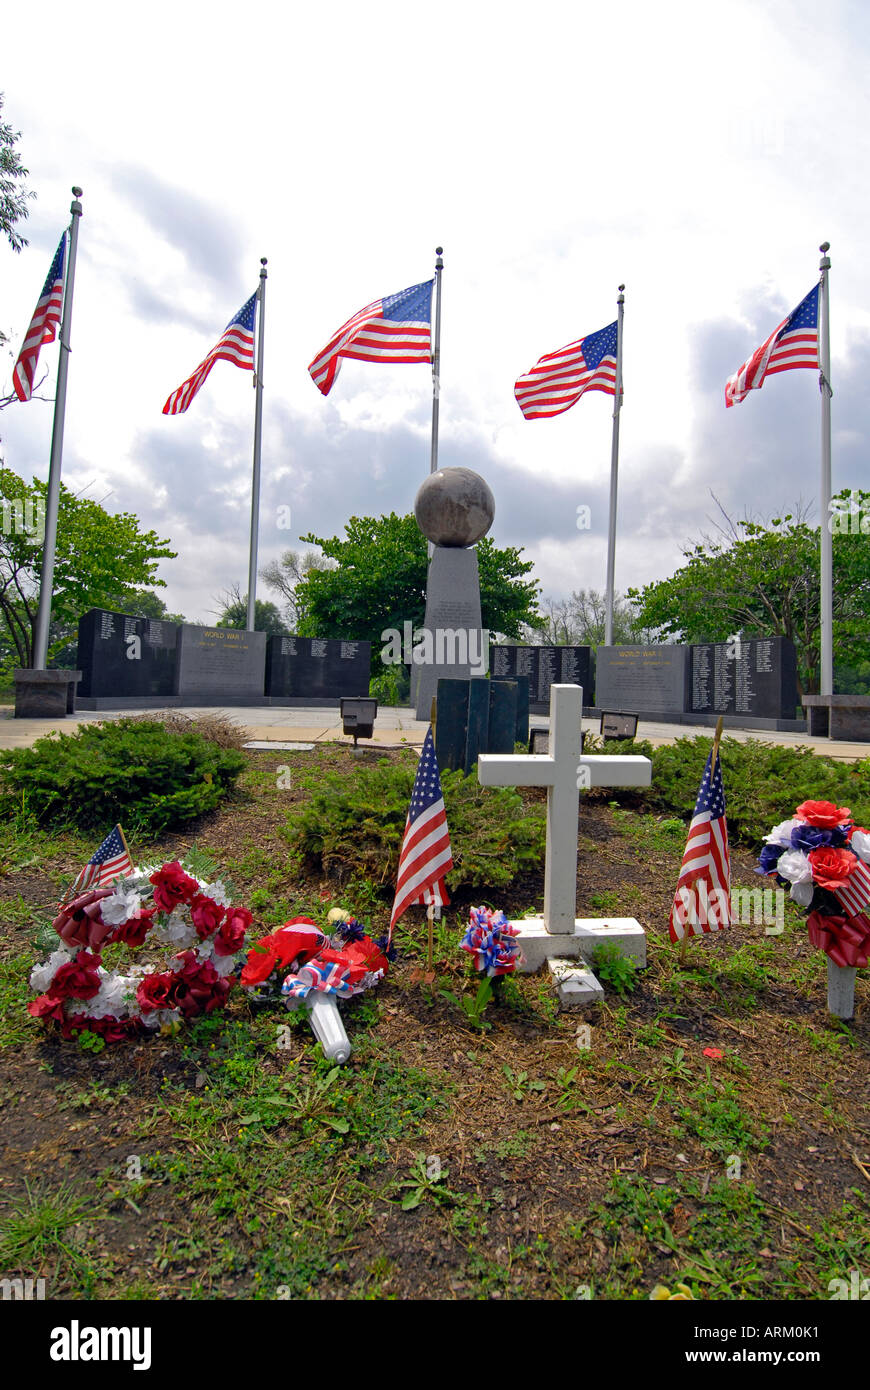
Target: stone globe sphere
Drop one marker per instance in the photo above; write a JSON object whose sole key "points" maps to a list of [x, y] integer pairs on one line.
{"points": [[454, 507]]}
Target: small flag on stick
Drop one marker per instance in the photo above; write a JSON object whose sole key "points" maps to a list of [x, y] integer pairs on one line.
{"points": [[43, 326], [560, 378], [426, 855], [236, 345], [394, 329], [793, 343], [112, 860], [702, 902]]}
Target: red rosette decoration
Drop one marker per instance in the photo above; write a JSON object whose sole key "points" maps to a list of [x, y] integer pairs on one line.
{"points": [[844, 940], [197, 988], [80, 922]]}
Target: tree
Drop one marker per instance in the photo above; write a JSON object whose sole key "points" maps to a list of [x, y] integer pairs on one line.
{"points": [[13, 196], [379, 582], [234, 613], [578, 621], [762, 580], [101, 561], [285, 576]]}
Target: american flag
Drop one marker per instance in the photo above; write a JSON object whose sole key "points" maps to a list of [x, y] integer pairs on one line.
{"points": [[110, 861], [43, 326], [394, 329], [702, 902], [236, 345], [794, 343], [426, 854], [558, 380], [855, 895]]}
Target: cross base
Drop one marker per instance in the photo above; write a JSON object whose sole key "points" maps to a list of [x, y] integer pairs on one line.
{"points": [[539, 945], [841, 990], [575, 984]]}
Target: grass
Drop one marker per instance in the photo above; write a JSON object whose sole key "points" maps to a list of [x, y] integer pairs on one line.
{"points": [[444, 1161]]}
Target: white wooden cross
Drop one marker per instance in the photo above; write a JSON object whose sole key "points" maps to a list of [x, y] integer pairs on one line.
{"points": [[563, 771]]}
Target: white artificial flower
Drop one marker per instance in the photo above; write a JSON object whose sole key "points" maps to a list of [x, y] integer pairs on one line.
{"points": [[860, 843], [781, 834], [41, 976], [802, 893], [176, 930], [795, 866], [156, 1018], [223, 964], [113, 995], [217, 892], [120, 907]]}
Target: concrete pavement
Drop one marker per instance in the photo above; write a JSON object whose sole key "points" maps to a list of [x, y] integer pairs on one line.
{"points": [[394, 728]]}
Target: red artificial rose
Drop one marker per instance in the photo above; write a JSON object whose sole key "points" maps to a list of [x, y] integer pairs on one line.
{"points": [[207, 915], [46, 1007], [823, 814], [112, 1029], [80, 922], [173, 886], [831, 867], [230, 937], [134, 932], [846, 940], [78, 980], [240, 917], [198, 988], [154, 990]]}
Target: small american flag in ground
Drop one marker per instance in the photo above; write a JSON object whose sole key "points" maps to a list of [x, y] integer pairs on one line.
{"points": [[795, 343], [702, 902], [111, 860], [236, 345], [395, 329], [426, 854], [43, 326], [558, 380]]}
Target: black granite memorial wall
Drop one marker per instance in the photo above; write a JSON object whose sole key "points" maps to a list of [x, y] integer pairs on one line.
{"points": [[649, 681], [544, 666], [120, 655], [316, 668], [756, 678]]}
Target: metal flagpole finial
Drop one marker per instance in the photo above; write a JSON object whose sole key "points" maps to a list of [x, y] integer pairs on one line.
{"points": [[439, 252], [621, 299], [76, 206], [825, 263], [264, 261]]}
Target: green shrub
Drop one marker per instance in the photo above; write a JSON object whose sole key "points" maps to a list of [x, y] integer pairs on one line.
{"points": [[353, 823], [137, 773], [764, 782]]}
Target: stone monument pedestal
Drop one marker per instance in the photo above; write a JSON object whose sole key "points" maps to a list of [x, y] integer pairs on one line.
{"points": [[453, 645], [45, 694]]}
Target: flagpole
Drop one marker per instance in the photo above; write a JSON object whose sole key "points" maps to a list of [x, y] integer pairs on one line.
{"points": [[258, 438], [52, 501], [826, 682], [614, 470], [436, 359]]}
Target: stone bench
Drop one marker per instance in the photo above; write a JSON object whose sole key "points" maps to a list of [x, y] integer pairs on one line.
{"points": [[45, 694], [838, 716]]}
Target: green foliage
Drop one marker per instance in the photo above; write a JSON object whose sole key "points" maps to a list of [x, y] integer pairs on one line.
{"points": [[100, 561], [135, 773], [615, 969], [763, 581], [379, 582], [13, 196], [472, 1005], [267, 616], [354, 824]]}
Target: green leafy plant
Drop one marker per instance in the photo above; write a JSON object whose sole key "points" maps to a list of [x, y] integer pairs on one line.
{"points": [[137, 773], [615, 969], [472, 1005], [519, 1084], [421, 1185], [355, 825]]}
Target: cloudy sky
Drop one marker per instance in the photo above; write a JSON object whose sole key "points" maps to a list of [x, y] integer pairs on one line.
{"points": [[697, 154]]}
